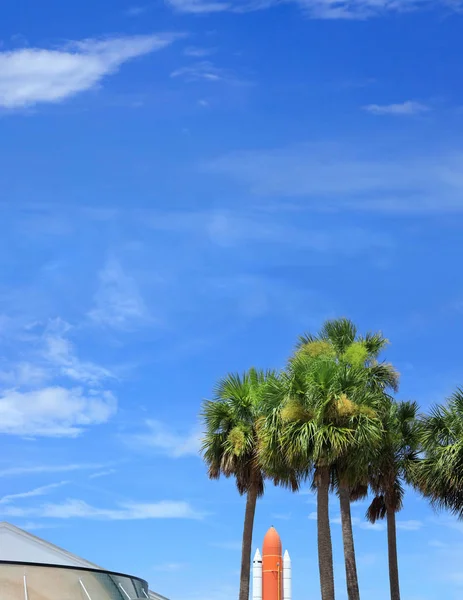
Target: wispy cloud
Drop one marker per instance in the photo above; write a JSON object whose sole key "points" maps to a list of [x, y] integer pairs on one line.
{"points": [[39, 469], [78, 509], [39, 491], [404, 109], [356, 522], [160, 437], [169, 567], [200, 6], [136, 11], [351, 177], [438, 544], [30, 76], [24, 373], [230, 229], [282, 516], [63, 395], [60, 354], [202, 71], [231, 545], [102, 474], [317, 9], [410, 525], [35, 526], [197, 52], [449, 522], [118, 301]]}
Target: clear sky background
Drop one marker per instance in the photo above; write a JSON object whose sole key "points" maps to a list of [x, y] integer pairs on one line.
{"points": [[186, 186]]}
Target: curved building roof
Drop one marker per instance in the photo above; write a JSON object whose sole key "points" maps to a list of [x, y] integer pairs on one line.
{"points": [[19, 547]]}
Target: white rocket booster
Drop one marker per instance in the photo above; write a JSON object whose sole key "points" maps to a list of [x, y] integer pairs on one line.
{"points": [[257, 576], [287, 581]]}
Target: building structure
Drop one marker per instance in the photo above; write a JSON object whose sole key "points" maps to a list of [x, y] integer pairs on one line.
{"points": [[34, 569], [271, 570]]}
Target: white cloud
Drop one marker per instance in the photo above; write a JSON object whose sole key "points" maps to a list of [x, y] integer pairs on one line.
{"points": [[118, 302], [78, 509], [404, 109], [29, 76], [160, 437], [317, 9], [39, 469], [351, 177], [410, 525], [39, 491], [54, 411]]}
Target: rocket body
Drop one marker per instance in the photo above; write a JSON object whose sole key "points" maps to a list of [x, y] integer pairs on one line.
{"points": [[271, 572], [272, 566]]}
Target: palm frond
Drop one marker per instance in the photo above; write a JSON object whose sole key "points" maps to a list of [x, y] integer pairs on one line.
{"points": [[375, 343], [377, 509], [341, 333]]}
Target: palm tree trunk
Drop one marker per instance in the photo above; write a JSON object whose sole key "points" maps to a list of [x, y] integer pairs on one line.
{"points": [[246, 548], [325, 550], [392, 550], [348, 541]]}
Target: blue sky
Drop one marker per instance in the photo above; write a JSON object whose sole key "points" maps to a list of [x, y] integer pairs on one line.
{"points": [[186, 186]]}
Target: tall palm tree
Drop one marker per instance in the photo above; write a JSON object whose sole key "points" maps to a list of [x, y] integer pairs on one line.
{"points": [[326, 410], [392, 466], [439, 476], [357, 356], [230, 447]]}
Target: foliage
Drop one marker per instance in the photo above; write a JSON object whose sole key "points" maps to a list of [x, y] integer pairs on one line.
{"points": [[439, 475], [229, 444], [395, 460]]}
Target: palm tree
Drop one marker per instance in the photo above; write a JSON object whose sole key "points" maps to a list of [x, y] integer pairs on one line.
{"points": [[392, 466], [439, 476], [327, 409], [230, 444], [365, 385]]}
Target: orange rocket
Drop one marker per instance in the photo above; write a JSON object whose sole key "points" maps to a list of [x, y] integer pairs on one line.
{"points": [[271, 571], [272, 566]]}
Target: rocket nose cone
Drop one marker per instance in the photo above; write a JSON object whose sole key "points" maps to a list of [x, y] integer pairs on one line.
{"points": [[272, 543], [257, 556]]}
